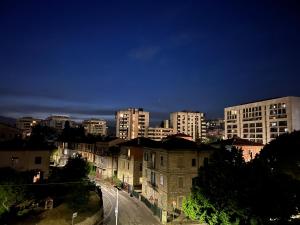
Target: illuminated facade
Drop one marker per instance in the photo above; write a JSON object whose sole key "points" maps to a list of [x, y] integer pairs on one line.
{"points": [[263, 121], [189, 123], [95, 127], [131, 123]]}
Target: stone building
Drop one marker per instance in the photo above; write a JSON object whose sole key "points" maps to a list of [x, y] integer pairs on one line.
{"points": [[130, 162], [168, 170]]}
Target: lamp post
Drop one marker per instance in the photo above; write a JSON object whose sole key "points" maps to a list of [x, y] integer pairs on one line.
{"points": [[117, 207]]}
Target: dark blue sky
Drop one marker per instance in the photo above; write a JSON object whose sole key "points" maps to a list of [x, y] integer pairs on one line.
{"points": [[90, 58]]}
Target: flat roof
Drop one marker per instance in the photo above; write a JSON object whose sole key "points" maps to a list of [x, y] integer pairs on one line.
{"points": [[262, 100]]}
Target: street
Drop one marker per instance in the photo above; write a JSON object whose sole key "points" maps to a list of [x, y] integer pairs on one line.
{"points": [[131, 210]]}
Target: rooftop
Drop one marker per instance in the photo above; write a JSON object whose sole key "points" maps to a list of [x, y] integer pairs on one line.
{"points": [[262, 100], [237, 141]]}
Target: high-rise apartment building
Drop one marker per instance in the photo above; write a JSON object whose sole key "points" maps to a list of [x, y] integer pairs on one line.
{"points": [[131, 123], [25, 124], [189, 123], [264, 120], [95, 127]]}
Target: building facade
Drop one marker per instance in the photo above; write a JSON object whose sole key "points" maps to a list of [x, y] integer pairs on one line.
{"points": [[22, 158], [189, 123], [158, 133], [264, 120], [25, 124], [168, 171], [130, 162], [95, 127], [106, 157], [58, 122], [131, 123]]}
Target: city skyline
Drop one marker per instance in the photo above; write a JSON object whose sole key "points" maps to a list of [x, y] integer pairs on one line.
{"points": [[91, 60]]}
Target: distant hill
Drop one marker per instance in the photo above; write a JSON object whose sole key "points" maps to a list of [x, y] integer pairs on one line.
{"points": [[8, 120]]}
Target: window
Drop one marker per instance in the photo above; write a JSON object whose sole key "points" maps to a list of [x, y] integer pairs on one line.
{"points": [[128, 165], [193, 162], [153, 156], [38, 160], [180, 182], [205, 161], [162, 161], [161, 180], [282, 123], [146, 156], [141, 166], [153, 178]]}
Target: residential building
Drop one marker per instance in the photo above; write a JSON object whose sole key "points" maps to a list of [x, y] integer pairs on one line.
{"points": [[130, 162], [95, 127], [86, 149], [189, 123], [131, 123], [168, 170], [58, 122], [20, 156], [264, 120], [25, 124], [249, 148], [65, 150], [215, 129], [7, 132], [158, 133], [106, 157]]}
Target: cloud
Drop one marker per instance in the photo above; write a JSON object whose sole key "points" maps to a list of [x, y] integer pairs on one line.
{"points": [[145, 53], [34, 109]]}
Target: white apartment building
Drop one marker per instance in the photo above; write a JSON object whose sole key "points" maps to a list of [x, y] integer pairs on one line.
{"points": [[189, 123], [58, 122], [95, 127], [25, 124], [131, 123], [264, 120], [158, 133]]}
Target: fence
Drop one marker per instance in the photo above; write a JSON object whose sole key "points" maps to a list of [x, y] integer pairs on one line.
{"points": [[156, 210]]}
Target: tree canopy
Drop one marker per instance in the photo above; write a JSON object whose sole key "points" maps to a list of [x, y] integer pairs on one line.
{"points": [[264, 191]]}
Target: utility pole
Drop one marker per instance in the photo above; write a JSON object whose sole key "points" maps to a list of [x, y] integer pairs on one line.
{"points": [[117, 207]]}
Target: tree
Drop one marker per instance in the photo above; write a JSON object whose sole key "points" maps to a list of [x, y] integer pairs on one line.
{"points": [[198, 207], [218, 187], [263, 191], [12, 191]]}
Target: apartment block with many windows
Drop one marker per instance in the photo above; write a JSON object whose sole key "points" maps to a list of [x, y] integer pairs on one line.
{"points": [[95, 127], [264, 120], [131, 123], [189, 123]]}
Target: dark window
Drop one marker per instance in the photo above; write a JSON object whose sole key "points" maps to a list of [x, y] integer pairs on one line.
{"points": [[162, 161], [282, 123], [38, 160], [205, 161], [193, 162], [128, 166], [141, 166]]}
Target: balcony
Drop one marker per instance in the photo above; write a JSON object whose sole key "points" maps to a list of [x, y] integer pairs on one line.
{"points": [[153, 185]]}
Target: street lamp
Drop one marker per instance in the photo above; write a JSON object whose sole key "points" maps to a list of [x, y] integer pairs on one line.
{"points": [[117, 207]]}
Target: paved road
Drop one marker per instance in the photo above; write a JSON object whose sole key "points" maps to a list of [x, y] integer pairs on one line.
{"points": [[131, 210]]}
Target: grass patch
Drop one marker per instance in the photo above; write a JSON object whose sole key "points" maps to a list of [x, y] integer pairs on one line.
{"points": [[62, 214]]}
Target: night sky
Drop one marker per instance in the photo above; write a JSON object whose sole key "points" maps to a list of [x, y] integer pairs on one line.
{"points": [[91, 58]]}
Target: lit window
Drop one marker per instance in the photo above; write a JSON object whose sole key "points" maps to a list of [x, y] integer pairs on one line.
{"points": [[161, 180]]}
